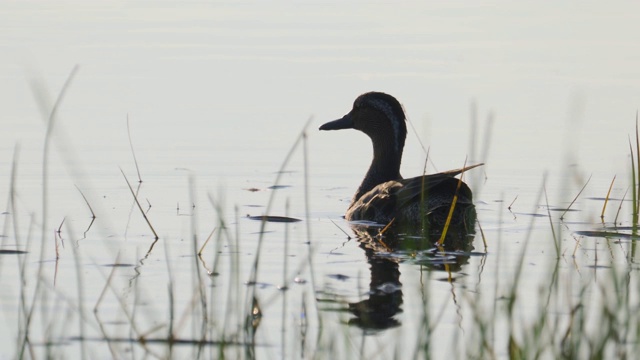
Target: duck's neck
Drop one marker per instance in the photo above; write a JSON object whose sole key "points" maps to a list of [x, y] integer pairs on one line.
{"points": [[385, 166]]}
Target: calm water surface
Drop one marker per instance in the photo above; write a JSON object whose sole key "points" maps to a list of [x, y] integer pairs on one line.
{"points": [[217, 94]]}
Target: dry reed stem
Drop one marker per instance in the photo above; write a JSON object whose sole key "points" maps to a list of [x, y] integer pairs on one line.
{"points": [[575, 198], [254, 272], [484, 239], [10, 209], [386, 227], [341, 229], [207, 241], [423, 217], [135, 161], [553, 231], [93, 214], [45, 154], [575, 249], [97, 306], [140, 207], [305, 153], [59, 232], [606, 199], [453, 205], [615, 220]]}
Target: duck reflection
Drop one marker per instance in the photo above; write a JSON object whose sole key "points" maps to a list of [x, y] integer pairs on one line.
{"points": [[385, 251]]}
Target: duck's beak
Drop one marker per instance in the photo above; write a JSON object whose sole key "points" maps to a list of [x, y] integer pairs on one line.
{"points": [[345, 123]]}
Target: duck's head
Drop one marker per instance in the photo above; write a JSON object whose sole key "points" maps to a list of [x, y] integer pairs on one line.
{"points": [[378, 115]]}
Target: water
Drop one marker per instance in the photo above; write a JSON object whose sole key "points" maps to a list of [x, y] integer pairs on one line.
{"points": [[217, 94]]}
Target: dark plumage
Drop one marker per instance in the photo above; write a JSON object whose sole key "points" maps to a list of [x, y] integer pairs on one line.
{"points": [[384, 195]]}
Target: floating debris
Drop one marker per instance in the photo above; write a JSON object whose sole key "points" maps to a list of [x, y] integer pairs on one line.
{"points": [[607, 234], [269, 218], [340, 277], [12, 252], [276, 187], [119, 265]]}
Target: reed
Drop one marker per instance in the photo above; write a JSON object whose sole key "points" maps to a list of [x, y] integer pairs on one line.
{"points": [[556, 242], [11, 202], [634, 192], [636, 199], [25, 343]]}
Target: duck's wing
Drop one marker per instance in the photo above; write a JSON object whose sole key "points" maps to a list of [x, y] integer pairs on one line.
{"points": [[435, 189], [385, 201]]}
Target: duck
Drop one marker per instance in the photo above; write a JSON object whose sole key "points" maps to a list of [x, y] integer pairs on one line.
{"points": [[384, 196]]}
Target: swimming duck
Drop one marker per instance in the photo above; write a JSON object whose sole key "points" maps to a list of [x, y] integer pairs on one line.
{"points": [[384, 195]]}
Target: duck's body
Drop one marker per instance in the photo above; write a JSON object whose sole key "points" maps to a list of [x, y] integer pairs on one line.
{"points": [[408, 201], [384, 196]]}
